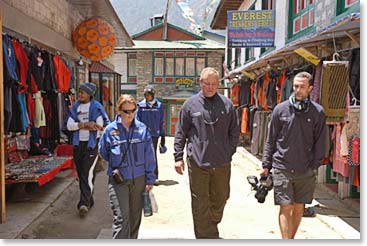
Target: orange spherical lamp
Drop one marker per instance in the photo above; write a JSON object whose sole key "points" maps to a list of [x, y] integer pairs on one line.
{"points": [[94, 38]]}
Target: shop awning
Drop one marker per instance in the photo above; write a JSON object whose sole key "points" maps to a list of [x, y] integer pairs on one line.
{"points": [[97, 67], [349, 26]]}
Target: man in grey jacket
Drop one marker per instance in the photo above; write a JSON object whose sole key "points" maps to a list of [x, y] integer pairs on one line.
{"points": [[208, 123], [295, 148]]}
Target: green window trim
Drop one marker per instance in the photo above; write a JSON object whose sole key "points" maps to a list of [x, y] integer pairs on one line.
{"points": [[175, 76], [292, 17], [266, 51], [341, 8]]}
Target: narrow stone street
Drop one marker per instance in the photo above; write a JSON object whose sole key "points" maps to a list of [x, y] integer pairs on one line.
{"points": [[244, 217]]}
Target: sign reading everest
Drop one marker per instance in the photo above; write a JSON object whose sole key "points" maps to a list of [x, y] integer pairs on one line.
{"points": [[253, 28]]}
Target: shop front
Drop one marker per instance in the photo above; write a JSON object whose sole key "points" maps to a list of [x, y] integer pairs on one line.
{"points": [[332, 56], [108, 86], [40, 74]]}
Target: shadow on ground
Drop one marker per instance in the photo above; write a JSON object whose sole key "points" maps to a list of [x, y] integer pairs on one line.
{"points": [[167, 182]]}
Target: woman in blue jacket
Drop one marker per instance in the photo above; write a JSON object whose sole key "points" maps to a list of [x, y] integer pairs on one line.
{"points": [[127, 146]]}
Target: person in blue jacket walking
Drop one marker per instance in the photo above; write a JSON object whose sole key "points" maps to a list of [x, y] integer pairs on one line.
{"points": [[150, 112], [86, 120], [127, 146]]}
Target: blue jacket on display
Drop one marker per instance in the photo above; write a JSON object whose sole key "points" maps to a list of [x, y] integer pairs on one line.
{"points": [[152, 117], [134, 146], [96, 109], [9, 57]]}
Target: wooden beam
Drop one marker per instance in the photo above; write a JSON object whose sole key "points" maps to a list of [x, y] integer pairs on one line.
{"points": [[2, 141], [352, 37], [341, 30]]}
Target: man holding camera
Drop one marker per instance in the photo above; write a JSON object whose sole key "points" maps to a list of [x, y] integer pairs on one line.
{"points": [[208, 123], [295, 148]]}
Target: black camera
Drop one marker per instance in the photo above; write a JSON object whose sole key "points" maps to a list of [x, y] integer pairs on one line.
{"points": [[262, 187], [116, 175]]}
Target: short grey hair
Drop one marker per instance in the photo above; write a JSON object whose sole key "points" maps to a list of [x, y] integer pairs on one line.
{"points": [[305, 75], [208, 70]]}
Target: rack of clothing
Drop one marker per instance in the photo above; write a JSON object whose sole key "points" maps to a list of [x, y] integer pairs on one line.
{"points": [[37, 98]]}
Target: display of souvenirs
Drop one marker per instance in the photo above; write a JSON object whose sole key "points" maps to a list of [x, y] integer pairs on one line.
{"points": [[32, 169]]}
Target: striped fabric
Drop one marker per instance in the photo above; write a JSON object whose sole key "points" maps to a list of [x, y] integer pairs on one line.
{"points": [[334, 88]]}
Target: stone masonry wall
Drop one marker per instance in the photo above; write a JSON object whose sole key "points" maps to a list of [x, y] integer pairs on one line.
{"points": [[144, 73], [58, 15]]}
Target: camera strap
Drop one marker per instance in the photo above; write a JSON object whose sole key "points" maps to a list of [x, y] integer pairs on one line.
{"points": [[128, 146]]}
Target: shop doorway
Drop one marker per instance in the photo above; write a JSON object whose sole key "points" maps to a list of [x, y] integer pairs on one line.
{"points": [[172, 117]]}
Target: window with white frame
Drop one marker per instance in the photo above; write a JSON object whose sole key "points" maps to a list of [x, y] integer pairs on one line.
{"points": [[180, 66], [170, 66], [301, 16], [200, 65], [158, 66], [190, 66], [132, 67]]}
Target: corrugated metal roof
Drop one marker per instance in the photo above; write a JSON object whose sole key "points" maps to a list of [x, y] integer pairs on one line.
{"points": [[220, 17], [185, 44]]}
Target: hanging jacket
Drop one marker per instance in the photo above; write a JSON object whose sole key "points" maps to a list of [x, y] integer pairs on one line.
{"points": [[96, 109], [152, 117], [135, 145], [23, 61], [9, 58], [62, 74]]}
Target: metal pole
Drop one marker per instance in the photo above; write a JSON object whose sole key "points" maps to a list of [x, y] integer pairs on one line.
{"points": [[165, 22], [2, 141]]}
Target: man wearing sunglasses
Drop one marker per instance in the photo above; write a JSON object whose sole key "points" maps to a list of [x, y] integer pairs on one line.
{"points": [[150, 112], [86, 121], [127, 146], [208, 123]]}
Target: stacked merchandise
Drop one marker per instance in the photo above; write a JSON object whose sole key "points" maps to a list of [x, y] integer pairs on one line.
{"points": [[37, 99], [37, 169]]}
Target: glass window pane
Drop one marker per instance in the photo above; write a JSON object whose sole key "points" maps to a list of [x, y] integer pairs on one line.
{"points": [[200, 64], [158, 69], [190, 66], [180, 65], [132, 67], [170, 70], [94, 78]]}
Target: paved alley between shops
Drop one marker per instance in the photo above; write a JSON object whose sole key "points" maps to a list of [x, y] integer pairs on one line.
{"points": [[244, 217]]}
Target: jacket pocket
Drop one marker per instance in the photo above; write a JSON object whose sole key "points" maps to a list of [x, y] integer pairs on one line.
{"points": [[116, 155], [139, 155]]}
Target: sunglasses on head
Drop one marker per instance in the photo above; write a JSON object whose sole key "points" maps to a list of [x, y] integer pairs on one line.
{"points": [[128, 111]]}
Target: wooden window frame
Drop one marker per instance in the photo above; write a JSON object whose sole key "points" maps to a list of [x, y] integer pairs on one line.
{"points": [[299, 11], [171, 78]]}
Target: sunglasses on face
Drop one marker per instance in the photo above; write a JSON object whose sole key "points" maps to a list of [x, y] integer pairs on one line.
{"points": [[128, 111]]}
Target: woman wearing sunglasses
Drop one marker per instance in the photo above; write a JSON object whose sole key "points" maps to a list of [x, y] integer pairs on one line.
{"points": [[127, 146]]}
